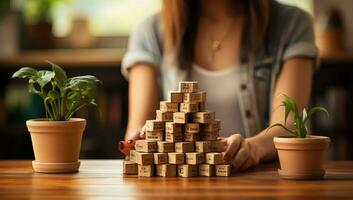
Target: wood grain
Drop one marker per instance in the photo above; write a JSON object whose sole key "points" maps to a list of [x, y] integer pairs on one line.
{"points": [[104, 179]]}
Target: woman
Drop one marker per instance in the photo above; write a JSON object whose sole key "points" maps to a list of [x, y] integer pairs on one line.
{"points": [[243, 54]]}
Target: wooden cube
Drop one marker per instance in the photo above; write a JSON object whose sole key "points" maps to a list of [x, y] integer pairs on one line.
{"points": [[176, 158], [212, 126], [203, 146], [189, 107], [206, 170], [204, 117], [154, 125], [144, 158], [165, 147], [202, 106], [209, 136], [130, 167], [166, 170], [146, 170], [194, 158], [181, 118], [223, 170], [175, 96], [188, 86], [192, 127], [184, 147], [164, 116], [214, 158], [187, 170], [133, 156], [160, 158], [194, 97], [155, 135], [173, 127], [191, 137], [173, 137], [168, 106], [218, 146], [146, 146]]}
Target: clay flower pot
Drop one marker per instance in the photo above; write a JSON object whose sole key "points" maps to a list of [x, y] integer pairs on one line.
{"points": [[56, 144], [301, 158]]}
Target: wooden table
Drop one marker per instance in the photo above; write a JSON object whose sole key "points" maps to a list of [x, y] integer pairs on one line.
{"points": [[104, 179]]}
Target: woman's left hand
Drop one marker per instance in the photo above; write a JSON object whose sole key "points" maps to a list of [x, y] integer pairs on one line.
{"points": [[240, 152]]}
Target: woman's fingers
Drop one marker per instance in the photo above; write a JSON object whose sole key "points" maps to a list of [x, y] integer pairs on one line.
{"points": [[240, 158], [248, 163], [233, 145]]}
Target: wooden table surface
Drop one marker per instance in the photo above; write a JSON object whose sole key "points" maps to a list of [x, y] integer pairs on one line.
{"points": [[103, 179]]}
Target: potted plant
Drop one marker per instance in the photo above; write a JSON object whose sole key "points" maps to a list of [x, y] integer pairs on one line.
{"points": [[301, 156], [57, 138]]}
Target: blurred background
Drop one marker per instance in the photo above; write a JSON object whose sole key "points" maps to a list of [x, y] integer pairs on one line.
{"points": [[90, 37]]}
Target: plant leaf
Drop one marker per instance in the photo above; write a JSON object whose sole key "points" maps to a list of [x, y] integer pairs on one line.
{"points": [[53, 94], [44, 77], [290, 106], [25, 72], [60, 75], [315, 110], [282, 126]]}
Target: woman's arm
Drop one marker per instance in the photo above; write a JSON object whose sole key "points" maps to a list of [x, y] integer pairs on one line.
{"points": [[295, 80], [143, 98]]}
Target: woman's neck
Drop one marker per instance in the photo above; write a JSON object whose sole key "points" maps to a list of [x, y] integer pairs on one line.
{"points": [[216, 10]]}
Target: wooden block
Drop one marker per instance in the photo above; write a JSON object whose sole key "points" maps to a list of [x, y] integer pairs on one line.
{"points": [[173, 137], [206, 170], [164, 116], [173, 127], [146, 170], [212, 126], [155, 135], [175, 96], [194, 97], [165, 147], [194, 158], [202, 106], [189, 107], [192, 127], [217, 146], [188, 86], [184, 147], [167, 170], [187, 170], [181, 118], [176, 158], [203, 146], [223, 170], [133, 156], [209, 136], [204, 117], [146, 146], [168, 106], [130, 167], [191, 137], [160, 158], [154, 125], [214, 158], [144, 158]]}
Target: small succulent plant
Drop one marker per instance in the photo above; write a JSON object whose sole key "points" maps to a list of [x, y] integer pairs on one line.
{"points": [[62, 96], [300, 119]]}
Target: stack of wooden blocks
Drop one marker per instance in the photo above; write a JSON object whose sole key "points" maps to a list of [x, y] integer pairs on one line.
{"points": [[182, 140]]}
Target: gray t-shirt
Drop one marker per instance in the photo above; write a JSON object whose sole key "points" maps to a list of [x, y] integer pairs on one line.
{"points": [[290, 35]]}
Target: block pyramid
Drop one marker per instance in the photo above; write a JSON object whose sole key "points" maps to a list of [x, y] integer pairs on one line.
{"points": [[181, 141]]}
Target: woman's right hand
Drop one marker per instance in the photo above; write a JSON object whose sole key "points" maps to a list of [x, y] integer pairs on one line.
{"points": [[129, 143]]}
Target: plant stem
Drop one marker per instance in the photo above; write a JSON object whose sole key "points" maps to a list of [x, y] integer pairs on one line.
{"points": [[73, 111]]}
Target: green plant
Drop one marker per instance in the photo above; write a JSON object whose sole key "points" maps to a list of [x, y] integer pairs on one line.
{"points": [[62, 96], [300, 119]]}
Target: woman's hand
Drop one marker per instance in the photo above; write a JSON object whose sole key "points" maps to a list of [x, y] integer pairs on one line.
{"points": [[241, 153], [129, 143]]}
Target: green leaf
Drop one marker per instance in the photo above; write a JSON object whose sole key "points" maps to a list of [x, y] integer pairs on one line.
{"points": [[60, 75], [44, 77], [25, 72], [282, 126], [290, 106], [315, 110], [53, 94]]}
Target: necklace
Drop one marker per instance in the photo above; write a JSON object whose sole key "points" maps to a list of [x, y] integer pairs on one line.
{"points": [[216, 44]]}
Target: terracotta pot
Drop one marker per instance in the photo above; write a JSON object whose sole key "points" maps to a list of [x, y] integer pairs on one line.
{"points": [[56, 144], [301, 158]]}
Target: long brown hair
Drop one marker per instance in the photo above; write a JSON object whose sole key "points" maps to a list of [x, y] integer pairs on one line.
{"points": [[179, 21]]}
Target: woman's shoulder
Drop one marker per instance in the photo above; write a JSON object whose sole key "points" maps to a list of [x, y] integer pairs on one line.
{"points": [[149, 25]]}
